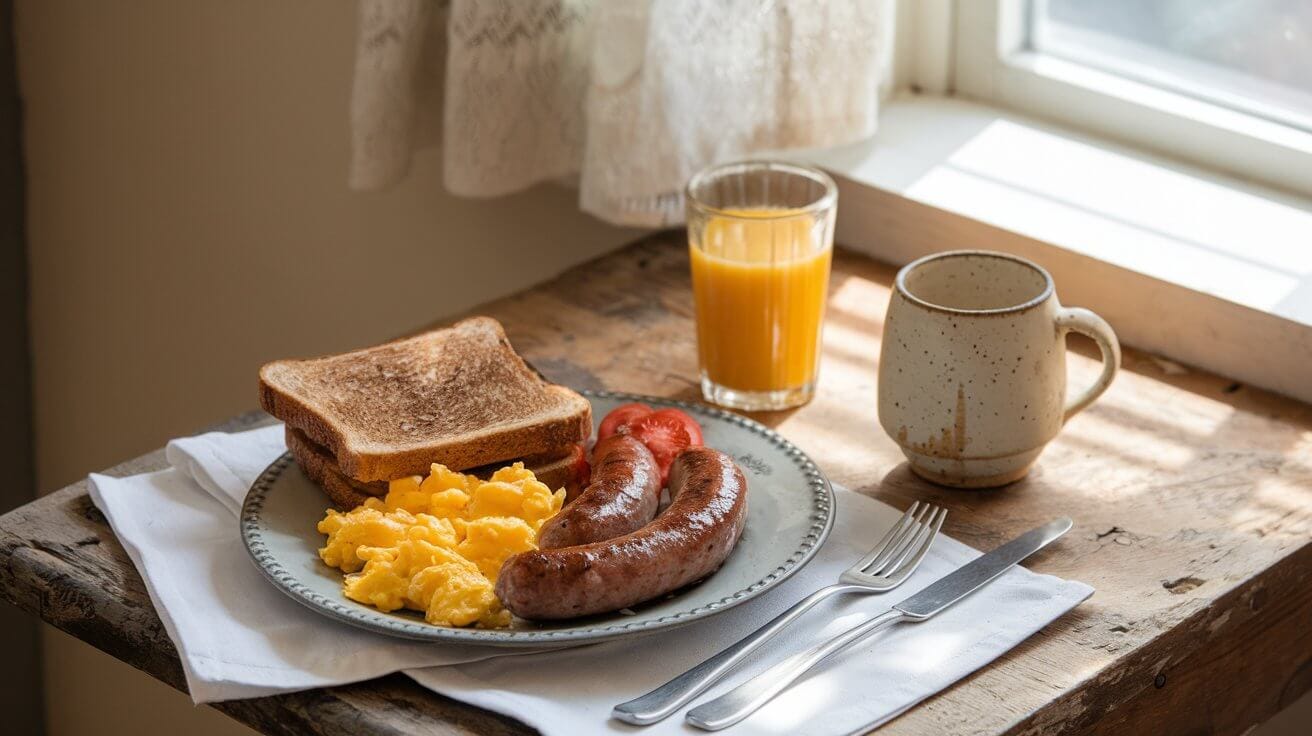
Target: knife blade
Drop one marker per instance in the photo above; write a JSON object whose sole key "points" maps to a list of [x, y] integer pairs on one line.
{"points": [[970, 577], [745, 699]]}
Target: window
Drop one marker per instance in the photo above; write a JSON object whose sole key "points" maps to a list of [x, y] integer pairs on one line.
{"points": [[1253, 56], [1227, 83], [1154, 155]]}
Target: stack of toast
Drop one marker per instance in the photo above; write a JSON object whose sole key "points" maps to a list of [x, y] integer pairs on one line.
{"points": [[460, 396]]}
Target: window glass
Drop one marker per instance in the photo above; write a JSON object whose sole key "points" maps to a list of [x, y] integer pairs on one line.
{"points": [[1251, 55]]}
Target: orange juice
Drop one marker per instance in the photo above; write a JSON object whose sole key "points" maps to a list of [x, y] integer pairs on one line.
{"points": [[759, 278]]}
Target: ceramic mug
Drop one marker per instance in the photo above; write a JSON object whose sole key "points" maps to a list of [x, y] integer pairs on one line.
{"points": [[972, 374]]}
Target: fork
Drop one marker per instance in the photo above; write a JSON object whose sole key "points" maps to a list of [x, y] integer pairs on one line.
{"points": [[885, 567]]}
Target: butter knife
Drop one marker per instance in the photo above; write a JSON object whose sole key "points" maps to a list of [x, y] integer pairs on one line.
{"points": [[745, 699]]}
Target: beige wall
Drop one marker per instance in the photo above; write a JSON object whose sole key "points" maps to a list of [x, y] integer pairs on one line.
{"points": [[189, 219]]}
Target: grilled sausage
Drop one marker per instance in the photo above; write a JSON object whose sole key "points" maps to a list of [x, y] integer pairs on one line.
{"points": [[687, 542], [623, 495]]}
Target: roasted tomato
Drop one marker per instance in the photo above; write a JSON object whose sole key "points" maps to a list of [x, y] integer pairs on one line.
{"points": [[620, 416], [694, 429], [663, 434]]}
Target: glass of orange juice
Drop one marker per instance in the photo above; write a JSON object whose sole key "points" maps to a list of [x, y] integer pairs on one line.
{"points": [[760, 236]]}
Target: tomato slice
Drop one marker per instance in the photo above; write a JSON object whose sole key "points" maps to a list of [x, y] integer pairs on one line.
{"points": [[620, 416], [694, 429], [665, 435]]}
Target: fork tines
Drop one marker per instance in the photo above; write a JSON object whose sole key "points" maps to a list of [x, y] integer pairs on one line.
{"points": [[902, 547]]}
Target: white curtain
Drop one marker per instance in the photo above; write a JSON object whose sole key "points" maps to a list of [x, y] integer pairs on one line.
{"points": [[632, 96]]}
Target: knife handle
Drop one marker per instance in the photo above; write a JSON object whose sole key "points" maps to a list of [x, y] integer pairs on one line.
{"points": [[664, 700], [745, 699]]}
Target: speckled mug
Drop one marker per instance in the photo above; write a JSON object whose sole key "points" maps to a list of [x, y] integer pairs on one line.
{"points": [[972, 375]]}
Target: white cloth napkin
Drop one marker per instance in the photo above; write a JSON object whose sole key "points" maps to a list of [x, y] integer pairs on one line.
{"points": [[239, 637]]}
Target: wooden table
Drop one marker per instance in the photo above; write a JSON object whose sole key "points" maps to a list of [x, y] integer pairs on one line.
{"points": [[1191, 494]]}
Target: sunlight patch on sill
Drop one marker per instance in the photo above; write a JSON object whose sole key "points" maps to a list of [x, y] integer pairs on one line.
{"points": [[1095, 234], [1176, 223]]}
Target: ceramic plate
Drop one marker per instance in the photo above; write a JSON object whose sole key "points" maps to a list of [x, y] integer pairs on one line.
{"points": [[790, 510]]}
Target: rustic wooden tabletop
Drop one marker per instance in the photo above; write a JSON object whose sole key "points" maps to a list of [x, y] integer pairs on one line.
{"points": [[1191, 495]]}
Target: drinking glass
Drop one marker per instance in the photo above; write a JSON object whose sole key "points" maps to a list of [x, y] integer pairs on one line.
{"points": [[760, 237]]}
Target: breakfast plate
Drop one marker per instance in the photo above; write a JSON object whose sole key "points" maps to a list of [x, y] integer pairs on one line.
{"points": [[790, 512]]}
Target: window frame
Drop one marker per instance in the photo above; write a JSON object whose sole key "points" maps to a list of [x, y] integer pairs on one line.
{"points": [[991, 63]]}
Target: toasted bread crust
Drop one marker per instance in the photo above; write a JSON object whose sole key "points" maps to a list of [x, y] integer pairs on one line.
{"points": [[321, 467], [460, 396], [318, 466], [556, 470]]}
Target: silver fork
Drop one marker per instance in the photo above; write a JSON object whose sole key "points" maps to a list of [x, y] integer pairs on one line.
{"points": [[891, 562]]}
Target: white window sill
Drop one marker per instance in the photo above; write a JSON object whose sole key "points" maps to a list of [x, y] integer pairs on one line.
{"points": [[1183, 262]]}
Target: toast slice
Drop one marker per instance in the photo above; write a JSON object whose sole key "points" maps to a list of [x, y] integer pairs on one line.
{"points": [[460, 396], [557, 470], [321, 467]]}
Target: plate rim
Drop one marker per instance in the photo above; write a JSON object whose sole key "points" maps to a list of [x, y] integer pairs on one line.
{"points": [[361, 616]]}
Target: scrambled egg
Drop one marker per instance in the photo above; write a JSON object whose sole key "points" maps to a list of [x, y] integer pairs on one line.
{"points": [[436, 544]]}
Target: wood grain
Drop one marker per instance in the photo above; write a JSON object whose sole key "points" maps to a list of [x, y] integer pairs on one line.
{"points": [[1191, 494]]}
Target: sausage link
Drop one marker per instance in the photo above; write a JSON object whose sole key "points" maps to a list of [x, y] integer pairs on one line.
{"points": [[623, 495], [687, 542]]}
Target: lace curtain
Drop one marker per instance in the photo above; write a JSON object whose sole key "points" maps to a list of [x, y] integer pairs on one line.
{"points": [[632, 96]]}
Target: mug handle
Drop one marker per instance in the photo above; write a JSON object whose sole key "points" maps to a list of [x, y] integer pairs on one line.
{"points": [[1087, 323]]}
